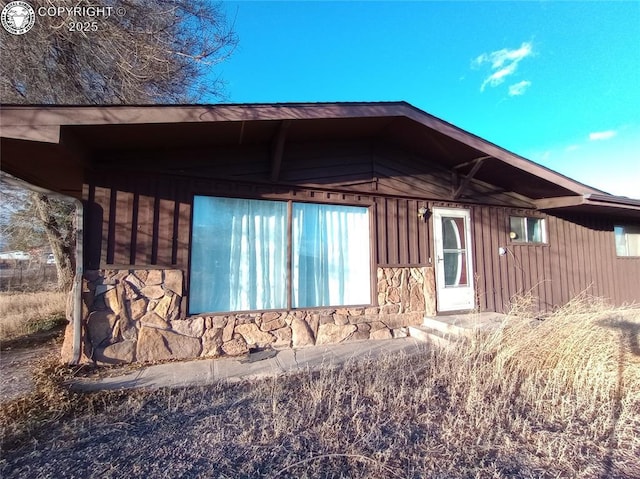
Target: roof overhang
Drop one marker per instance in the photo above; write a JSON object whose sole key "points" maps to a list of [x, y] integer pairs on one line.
{"points": [[592, 204], [39, 139]]}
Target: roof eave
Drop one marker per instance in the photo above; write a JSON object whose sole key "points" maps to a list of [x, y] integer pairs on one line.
{"points": [[592, 203], [43, 123]]}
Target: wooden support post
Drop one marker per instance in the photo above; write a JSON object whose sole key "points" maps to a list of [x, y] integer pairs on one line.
{"points": [[455, 183]]}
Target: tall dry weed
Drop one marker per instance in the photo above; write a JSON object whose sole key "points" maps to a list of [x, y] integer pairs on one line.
{"points": [[577, 372], [583, 348], [536, 399]]}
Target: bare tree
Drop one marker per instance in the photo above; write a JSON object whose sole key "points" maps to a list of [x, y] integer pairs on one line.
{"points": [[134, 52], [29, 220], [57, 218], [144, 51], [18, 231]]}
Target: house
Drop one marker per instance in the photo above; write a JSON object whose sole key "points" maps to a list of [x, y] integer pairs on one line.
{"points": [[212, 229]]}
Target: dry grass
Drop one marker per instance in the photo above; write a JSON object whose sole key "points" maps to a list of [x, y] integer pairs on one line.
{"points": [[26, 313], [23, 419], [557, 398]]}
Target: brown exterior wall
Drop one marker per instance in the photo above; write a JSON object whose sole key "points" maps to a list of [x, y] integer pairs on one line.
{"points": [[579, 257], [154, 191], [138, 215]]}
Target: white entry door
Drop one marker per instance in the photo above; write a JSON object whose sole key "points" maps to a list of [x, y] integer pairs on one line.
{"points": [[454, 270]]}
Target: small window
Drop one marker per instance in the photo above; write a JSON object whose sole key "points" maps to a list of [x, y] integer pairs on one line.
{"points": [[627, 240], [527, 229]]}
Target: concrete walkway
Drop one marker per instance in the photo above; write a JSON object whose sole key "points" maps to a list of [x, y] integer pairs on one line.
{"points": [[262, 364]]}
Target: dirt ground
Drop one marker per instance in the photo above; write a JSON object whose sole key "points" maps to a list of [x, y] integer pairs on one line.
{"points": [[18, 357]]}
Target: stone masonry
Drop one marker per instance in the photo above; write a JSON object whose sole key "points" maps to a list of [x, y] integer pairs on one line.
{"points": [[135, 316]]}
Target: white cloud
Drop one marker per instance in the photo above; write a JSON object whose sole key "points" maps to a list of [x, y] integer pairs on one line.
{"points": [[519, 88], [572, 148], [498, 77], [504, 63], [602, 135], [500, 57]]}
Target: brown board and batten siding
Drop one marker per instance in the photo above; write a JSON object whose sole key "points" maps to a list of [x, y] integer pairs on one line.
{"points": [[143, 225], [579, 256], [402, 237], [130, 223], [138, 214]]}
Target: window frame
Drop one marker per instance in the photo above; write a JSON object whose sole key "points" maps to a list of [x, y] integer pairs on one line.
{"points": [[369, 206], [626, 243], [526, 240]]}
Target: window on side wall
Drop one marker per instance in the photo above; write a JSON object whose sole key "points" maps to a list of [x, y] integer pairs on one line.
{"points": [[258, 255], [627, 240], [527, 229]]}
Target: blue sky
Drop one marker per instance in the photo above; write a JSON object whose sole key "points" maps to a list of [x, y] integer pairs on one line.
{"points": [[556, 82]]}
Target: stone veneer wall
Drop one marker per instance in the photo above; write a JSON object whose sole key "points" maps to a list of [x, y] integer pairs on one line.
{"points": [[135, 315]]}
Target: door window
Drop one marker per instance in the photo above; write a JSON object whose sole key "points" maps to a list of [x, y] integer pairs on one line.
{"points": [[454, 251]]}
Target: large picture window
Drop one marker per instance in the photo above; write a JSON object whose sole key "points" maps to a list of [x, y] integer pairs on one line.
{"points": [[241, 249], [237, 259], [330, 255]]}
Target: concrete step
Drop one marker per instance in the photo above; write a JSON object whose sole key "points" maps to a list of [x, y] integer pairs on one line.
{"points": [[430, 335], [448, 328]]}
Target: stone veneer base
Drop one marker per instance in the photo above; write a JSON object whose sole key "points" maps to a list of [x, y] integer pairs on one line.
{"points": [[135, 316]]}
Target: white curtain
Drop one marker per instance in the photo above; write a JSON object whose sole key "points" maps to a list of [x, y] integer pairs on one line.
{"points": [[633, 242], [238, 257], [534, 233], [627, 240], [330, 255]]}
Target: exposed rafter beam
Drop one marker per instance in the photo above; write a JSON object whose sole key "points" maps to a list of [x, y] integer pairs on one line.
{"points": [[241, 132], [477, 163], [277, 149], [472, 162], [559, 202]]}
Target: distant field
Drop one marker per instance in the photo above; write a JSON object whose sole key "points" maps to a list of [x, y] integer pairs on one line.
{"points": [[22, 314], [537, 399]]}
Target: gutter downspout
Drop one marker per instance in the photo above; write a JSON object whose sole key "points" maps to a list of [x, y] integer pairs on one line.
{"points": [[76, 290], [77, 283]]}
